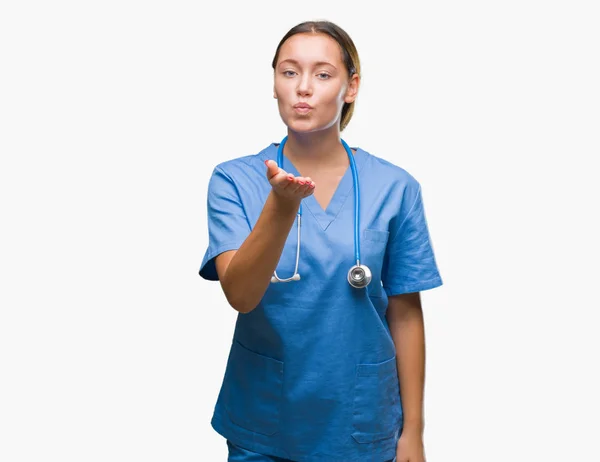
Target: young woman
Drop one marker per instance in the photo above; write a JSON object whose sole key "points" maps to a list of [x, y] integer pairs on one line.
{"points": [[322, 249]]}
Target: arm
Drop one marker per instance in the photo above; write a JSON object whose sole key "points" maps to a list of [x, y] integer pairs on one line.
{"points": [[246, 273], [405, 318]]}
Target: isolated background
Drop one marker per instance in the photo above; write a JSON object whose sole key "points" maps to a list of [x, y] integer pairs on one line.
{"points": [[112, 117]]}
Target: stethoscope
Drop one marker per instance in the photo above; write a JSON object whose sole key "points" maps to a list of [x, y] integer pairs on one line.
{"points": [[359, 276]]}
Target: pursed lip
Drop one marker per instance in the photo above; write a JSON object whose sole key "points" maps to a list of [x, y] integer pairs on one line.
{"points": [[303, 106]]}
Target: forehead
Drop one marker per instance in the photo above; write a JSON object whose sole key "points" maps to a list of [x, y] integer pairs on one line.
{"points": [[306, 48]]}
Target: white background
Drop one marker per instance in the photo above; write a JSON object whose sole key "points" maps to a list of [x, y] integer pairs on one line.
{"points": [[112, 116]]}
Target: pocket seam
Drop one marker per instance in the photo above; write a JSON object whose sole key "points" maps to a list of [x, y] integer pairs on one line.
{"points": [[384, 370], [376, 235], [371, 369], [277, 366]]}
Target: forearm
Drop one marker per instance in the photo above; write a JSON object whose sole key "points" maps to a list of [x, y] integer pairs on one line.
{"points": [[408, 334], [249, 273]]}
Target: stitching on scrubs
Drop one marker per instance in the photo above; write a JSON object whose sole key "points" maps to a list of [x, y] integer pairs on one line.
{"points": [[376, 235], [210, 265], [314, 216], [233, 245], [422, 285]]}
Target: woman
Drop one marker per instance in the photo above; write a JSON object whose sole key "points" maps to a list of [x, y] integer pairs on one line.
{"points": [[329, 365]]}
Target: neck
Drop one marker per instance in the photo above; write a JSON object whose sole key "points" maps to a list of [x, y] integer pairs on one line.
{"points": [[321, 149]]}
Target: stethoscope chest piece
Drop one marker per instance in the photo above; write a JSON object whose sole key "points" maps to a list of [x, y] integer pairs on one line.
{"points": [[359, 276]]}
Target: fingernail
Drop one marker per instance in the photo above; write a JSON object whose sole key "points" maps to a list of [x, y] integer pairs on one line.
{"points": [[267, 162]]}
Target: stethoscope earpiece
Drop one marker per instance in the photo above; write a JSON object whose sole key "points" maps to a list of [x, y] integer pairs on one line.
{"points": [[295, 277]]}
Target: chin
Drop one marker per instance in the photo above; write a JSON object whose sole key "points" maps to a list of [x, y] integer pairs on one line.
{"points": [[304, 126]]}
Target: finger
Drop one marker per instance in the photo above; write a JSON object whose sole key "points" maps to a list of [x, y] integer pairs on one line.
{"points": [[309, 191], [283, 182], [273, 169], [305, 179], [301, 185], [306, 184], [294, 185]]}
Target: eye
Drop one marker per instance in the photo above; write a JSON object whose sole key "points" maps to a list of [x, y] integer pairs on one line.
{"points": [[326, 76], [286, 73]]}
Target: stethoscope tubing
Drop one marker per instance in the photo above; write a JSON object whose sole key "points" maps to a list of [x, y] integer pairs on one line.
{"points": [[356, 202], [364, 270]]}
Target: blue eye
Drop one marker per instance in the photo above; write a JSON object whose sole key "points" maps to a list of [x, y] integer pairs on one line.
{"points": [[322, 75]]}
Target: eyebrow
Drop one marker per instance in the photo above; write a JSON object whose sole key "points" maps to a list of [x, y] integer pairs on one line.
{"points": [[318, 63]]}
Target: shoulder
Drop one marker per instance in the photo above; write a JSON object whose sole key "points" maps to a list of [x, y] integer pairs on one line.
{"points": [[391, 174], [243, 164]]}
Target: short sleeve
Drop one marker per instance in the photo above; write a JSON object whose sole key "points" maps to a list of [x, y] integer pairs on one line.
{"points": [[228, 225], [409, 264]]}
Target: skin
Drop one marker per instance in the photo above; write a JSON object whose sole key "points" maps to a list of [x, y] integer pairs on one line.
{"points": [[405, 319], [313, 146], [310, 69]]}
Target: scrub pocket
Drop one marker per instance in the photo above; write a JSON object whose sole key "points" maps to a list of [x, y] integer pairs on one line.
{"points": [[372, 249], [252, 390], [377, 410]]}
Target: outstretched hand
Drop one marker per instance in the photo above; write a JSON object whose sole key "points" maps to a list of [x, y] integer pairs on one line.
{"points": [[287, 185]]}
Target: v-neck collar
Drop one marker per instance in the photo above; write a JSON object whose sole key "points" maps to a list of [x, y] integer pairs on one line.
{"points": [[344, 188]]}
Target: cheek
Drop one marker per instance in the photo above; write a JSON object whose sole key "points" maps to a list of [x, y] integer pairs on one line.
{"points": [[284, 89], [341, 95], [334, 96], [332, 101]]}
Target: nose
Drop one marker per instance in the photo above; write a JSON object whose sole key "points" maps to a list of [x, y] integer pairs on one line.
{"points": [[305, 85]]}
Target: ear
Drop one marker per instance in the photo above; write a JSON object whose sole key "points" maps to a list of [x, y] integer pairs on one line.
{"points": [[352, 90], [274, 93]]}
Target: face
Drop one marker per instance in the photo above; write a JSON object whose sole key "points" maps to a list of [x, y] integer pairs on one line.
{"points": [[310, 70]]}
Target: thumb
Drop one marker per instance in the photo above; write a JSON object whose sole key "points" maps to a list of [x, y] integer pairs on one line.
{"points": [[272, 168]]}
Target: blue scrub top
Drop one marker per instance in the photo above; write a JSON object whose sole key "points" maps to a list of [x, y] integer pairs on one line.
{"points": [[311, 374]]}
